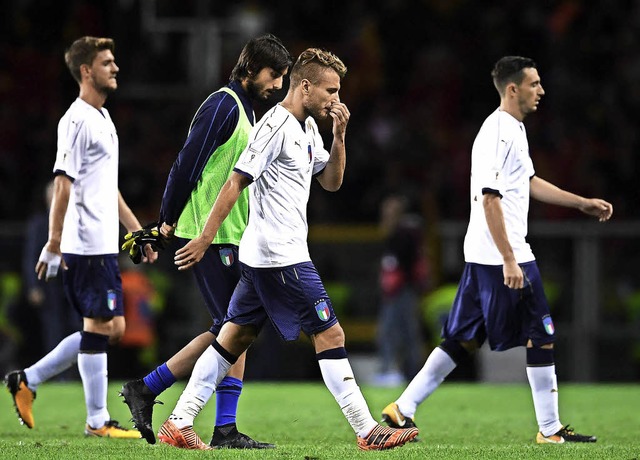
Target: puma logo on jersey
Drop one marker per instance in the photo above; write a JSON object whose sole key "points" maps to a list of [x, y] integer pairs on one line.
{"points": [[297, 143]]}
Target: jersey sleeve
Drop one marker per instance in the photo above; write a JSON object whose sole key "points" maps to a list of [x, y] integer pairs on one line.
{"points": [[494, 180], [489, 162], [72, 142], [264, 146]]}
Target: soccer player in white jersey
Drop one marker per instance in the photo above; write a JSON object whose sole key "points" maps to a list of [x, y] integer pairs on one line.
{"points": [[279, 282], [83, 240], [500, 296], [217, 136]]}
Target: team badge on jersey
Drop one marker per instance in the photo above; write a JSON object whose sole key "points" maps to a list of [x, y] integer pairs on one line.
{"points": [[251, 157], [547, 322], [226, 256], [111, 299], [322, 309], [310, 152]]}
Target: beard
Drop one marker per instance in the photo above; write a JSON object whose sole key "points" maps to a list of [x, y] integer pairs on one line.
{"points": [[105, 89], [319, 113], [257, 92]]}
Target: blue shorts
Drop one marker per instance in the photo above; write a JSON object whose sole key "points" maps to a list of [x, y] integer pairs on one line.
{"points": [[93, 286], [485, 308], [292, 297], [217, 275]]}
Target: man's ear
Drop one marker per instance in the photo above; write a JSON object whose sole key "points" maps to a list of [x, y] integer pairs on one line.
{"points": [[85, 70], [305, 86]]}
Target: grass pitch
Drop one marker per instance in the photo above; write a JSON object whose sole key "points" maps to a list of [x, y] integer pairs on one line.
{"points": [[460, 421]]}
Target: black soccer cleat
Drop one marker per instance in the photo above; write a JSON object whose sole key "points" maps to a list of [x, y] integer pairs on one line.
{"points": [[140, 400], [228, 437], [392, 416], [566, 434]]}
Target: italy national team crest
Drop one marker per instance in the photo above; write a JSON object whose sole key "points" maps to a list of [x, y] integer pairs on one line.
{"points": [[322, 309], [111, 299], [226, 255], [548, 325]]}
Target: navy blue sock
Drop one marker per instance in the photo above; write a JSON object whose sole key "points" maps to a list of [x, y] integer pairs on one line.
{"points": [[227, 395], [92, 342], [159, 379], [537, 357], [455, 351]]}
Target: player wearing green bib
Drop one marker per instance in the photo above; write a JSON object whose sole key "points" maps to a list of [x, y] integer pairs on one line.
{"points": [[217, 136], [214, 175]]}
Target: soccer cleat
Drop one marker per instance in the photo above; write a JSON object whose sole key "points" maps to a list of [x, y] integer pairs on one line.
{"points": [[385, 437], [228, 437], [392, 416], [112, 429], [566, 434], [140, 400], [183, 438], [23, 397]]}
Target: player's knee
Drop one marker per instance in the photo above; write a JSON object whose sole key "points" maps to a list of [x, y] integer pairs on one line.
{"points": [[546, 346], [236, 338], [329, 338], [113, 328], [459, 351], [117, 328], [246, 336], [470, 346], [115, 337]]}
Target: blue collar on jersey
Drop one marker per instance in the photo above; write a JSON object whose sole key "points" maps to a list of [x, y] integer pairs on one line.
{"points": [[244, 98]]}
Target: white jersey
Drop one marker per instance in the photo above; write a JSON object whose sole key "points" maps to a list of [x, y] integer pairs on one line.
{"points": [[88, 154], [281, 157], [500, 162]]}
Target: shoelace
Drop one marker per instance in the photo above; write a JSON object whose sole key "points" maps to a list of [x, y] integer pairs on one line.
{"points": [[115, 424], [567, 429]]}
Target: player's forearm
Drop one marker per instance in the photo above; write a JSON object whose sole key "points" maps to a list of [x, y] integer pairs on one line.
{"points": [[227, 198], [126, 216], [59, 205], [546, 192], [497, 228], [333, 174]]}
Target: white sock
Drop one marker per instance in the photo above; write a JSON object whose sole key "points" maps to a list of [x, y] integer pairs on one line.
{"points": [[209, 370], [544, 389], [438, 365], [61, 358], [93, 370], [338, 377]]}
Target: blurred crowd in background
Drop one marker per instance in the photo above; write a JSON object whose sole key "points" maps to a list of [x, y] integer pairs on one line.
{"points": [[418, 88]]}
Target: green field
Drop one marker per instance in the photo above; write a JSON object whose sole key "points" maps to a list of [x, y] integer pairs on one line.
{"points": [[460, 421]]}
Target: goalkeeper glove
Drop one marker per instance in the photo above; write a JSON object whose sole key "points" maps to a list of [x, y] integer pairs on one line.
{"points": [[134, 242]]}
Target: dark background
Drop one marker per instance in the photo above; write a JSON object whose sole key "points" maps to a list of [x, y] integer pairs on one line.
{"points": [[418, 88]]}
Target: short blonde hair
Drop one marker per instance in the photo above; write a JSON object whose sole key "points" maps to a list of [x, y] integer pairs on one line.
{"points": [[312, 62]]}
